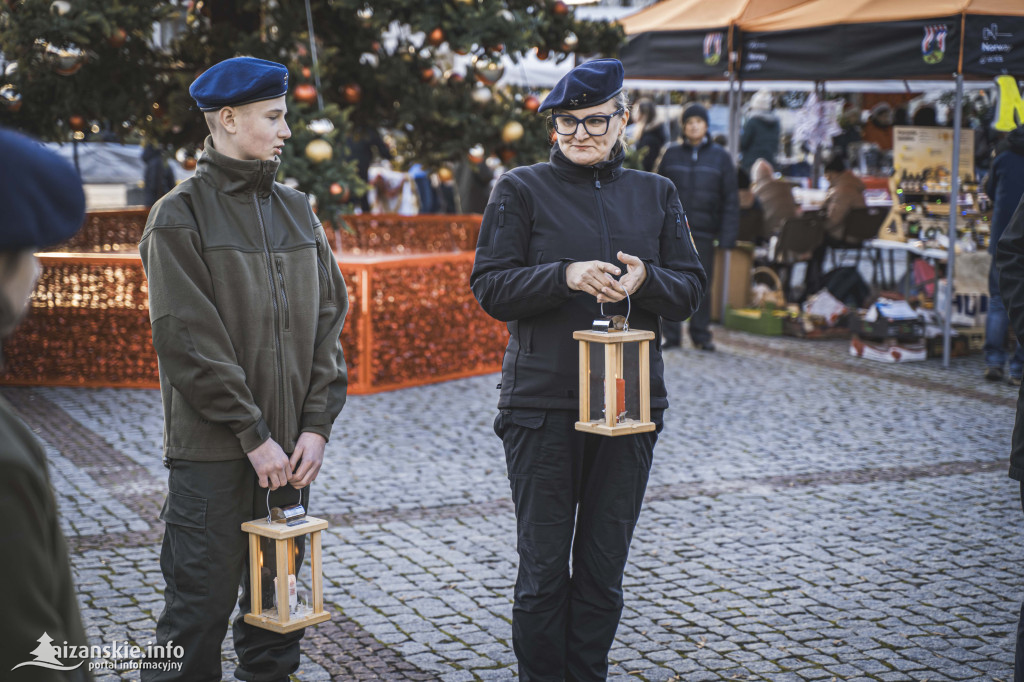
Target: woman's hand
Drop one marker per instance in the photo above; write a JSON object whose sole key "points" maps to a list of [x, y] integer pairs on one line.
{"points": [[636, 273], [597, 278]]}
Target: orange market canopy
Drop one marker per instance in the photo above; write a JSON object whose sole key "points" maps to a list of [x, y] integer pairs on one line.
{"points": [[825, 39], [836, 39], [688, 38]]}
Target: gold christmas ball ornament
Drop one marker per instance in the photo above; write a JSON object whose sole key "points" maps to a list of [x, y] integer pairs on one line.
{"points": [[319, 151], [10, 98], [482, 94], [488, 71], [66, 60], [445, 174], [60, 8], [512, 132]]}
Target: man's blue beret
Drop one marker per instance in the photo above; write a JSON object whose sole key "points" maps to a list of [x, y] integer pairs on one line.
{"points": [[237, 81], [41, 194], [588, 85]]}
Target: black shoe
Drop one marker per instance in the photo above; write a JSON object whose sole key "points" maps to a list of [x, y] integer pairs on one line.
{"points": [[708, 346], [670, 344], [993, 374]]}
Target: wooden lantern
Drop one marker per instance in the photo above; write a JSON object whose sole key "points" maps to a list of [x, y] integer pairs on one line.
{"points": [[283, 527], [615, 391]]}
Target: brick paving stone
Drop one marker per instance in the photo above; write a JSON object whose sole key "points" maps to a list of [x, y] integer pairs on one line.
{"points": [[804, 521]]}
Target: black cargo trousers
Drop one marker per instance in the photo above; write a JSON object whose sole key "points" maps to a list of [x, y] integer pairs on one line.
{"points": [[204, 559], [575, 494]]}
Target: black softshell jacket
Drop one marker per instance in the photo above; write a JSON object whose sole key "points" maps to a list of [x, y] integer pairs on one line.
{"points": [[539, 219]]}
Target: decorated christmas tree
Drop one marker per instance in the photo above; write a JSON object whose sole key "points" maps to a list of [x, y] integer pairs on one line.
{"points": [[427, 73]]}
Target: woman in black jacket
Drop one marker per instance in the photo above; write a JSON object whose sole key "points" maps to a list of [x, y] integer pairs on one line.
{"points": [[557, 239]]}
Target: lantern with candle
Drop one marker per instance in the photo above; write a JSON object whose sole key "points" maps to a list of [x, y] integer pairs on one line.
{"points": [[615, 377], [275, 561]]}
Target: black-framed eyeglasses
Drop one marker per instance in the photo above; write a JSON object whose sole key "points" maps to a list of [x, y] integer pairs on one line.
{"points": [[596, 125]]}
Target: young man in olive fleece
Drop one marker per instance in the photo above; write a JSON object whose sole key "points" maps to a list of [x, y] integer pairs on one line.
{"points": [[247, 305]]}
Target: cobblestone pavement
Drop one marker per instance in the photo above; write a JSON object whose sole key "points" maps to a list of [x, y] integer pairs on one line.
{"points": [[810, 516]]}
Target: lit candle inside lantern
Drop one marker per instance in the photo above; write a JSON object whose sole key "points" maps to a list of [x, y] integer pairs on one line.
{"points": [[293, 598], [620, 395]]}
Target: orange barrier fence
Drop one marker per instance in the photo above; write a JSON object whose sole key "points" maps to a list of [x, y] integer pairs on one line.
{"points": [[412, 320], [119, 231]]}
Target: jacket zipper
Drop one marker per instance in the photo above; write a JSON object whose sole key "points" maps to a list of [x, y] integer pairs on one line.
{"points": [[278, 361], [605, 232], [284, 293], [323, 271]]}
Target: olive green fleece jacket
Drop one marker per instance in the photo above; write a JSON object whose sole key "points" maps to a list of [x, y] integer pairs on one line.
{"points": [[247, 304]]}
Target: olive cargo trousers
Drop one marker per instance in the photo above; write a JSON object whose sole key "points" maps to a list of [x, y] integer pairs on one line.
{"points": [[204, 559]]}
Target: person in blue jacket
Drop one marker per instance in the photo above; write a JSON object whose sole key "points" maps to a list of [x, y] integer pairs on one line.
{"points": [[558, 239], [705, 178], [1005, 185]]}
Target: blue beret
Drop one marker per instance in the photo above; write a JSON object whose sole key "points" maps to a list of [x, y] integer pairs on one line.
{"points": [[238, 81], [41, 194], [588, 85]]}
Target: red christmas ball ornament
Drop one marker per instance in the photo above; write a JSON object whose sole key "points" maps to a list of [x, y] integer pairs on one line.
{"points": [[507, 154], [305, 93], [337, 188], [436, 37], [542, 53], [77, 123], [118, 36], [560, 9], [352, 93], [306, 73], [189, 163], [428, 75], [531, 103]]}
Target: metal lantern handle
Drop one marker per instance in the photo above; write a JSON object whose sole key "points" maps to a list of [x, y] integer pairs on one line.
{"points": [[269, 515], [625, 326]]}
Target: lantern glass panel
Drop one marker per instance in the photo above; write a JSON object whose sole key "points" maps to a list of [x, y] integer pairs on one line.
{"points": [[625, 359], [299, 579]]}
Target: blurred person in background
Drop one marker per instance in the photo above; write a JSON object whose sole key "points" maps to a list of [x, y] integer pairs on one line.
{"points": [[651, 132], [44, 204], [705, 178], [761, 132]]}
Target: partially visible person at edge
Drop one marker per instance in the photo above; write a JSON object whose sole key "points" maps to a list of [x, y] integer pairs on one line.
{"points": [[247, 304], [43, 205], [1005, 185], [775, 196], [652, 133], [1010, 264], [705, 178], [761, 132], [558, 239], [845, 193]]}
